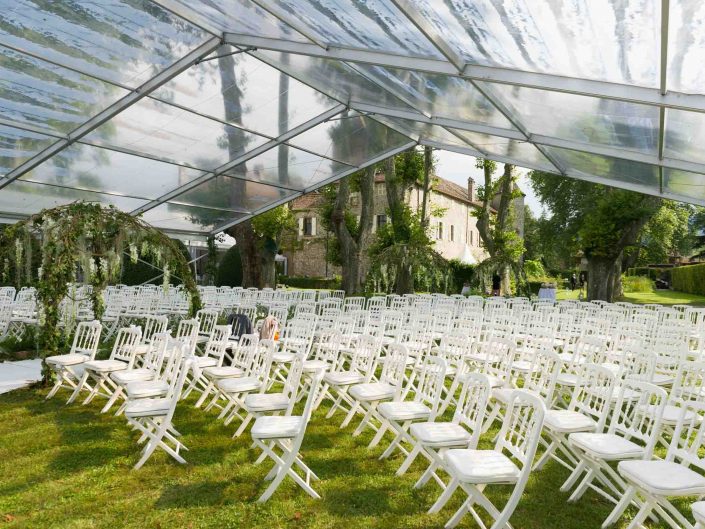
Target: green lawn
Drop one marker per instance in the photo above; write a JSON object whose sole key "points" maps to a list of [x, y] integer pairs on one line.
{"points": [[664, 297], [70, 467]]}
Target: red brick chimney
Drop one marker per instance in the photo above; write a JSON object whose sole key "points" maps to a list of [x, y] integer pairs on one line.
{"points": [[471, 189]]}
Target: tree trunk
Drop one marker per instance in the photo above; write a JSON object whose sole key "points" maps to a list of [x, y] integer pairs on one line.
{"points": [[395, 200], [246, 240], [427, 168], [603, 277], [269, 275], [352, 248]]}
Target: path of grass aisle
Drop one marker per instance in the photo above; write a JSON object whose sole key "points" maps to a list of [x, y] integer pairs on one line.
{"points": [[70, 467], [663, 297]]}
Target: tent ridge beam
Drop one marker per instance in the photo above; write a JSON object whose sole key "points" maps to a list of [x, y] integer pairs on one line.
{"points": [[491, 74], [111, 111]]}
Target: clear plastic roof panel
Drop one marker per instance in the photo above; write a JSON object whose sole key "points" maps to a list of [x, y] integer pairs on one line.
{"points": [[157, 129], [350, 139], [39, 93], [199, 113], [245, 92], [288, 167], [17, 146], [127, 42], [96, 169]]}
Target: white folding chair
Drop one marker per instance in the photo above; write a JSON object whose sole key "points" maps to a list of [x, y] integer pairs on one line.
{"points": [[587, 411], [258, 404], [433, 439], [122, 357], [632, 434], [83, 349], [153, 416], [389, 387], [151, 368], [509, 463], [654, 482], [213, 355], [280, 438], [399, 415]]}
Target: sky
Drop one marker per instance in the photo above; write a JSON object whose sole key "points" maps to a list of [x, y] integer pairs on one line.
{"points": [[457, 167]]}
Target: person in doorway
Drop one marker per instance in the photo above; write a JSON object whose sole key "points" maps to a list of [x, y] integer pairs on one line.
{"points": [[573, 281], [496, 284], [466, 289]]}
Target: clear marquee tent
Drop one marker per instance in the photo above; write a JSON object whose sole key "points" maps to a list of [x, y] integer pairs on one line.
{"points": [[201, 113]]}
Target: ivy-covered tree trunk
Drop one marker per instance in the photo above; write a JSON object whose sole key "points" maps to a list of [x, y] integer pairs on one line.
{"points": [[396, 195], [603, 278], [246, 240], [353, 246]]}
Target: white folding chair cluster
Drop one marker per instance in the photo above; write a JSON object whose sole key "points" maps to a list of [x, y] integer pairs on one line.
{"points": [[66, 367]]}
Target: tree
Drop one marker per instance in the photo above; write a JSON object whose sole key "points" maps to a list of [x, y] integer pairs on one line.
{"points": [[269, 228], [503, 244], [352, 235], [667, 234], [604, 221], [402, 253]]}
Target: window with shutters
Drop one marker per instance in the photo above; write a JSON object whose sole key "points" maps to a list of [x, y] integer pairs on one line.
{"points": [[439, 235], [309, 227], [452, 232], [381, 220]]}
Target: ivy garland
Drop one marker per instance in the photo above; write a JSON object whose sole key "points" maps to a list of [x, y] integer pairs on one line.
{"points": [[84, 242]]}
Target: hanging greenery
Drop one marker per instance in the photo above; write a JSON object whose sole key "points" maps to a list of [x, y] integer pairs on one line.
{"points": [[85, 243]]}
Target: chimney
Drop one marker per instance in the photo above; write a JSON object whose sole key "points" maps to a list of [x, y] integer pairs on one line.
{"points": [[471, 189]]}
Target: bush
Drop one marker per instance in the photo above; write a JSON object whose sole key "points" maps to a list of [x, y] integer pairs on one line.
{"points": [[229, 273], [139, 273], [461, 273], [319, 283], [534, 269], [637, 284], [652, 273], [689, 279]]}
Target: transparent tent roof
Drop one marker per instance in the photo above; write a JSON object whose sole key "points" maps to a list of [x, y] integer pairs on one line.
{"points": [[199, 114]]}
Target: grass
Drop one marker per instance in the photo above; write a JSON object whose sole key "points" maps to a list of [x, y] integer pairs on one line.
{"points": [[663, 297], [70, 467]]}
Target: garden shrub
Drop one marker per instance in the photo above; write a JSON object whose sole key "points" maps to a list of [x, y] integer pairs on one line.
{"points": [[689, 279], [461, 273], [637, 284], [229, 273]]}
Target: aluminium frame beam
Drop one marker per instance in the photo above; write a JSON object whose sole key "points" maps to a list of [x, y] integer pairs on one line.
{"points": [[311, 123], [491, 74], [111, 111]]}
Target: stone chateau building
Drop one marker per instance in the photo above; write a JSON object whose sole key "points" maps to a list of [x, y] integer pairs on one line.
{"points": [[455, 233]]}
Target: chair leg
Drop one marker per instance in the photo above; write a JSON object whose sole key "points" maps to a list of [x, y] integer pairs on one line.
{"points": [[409, 460], [79, 386], [445, 496]]}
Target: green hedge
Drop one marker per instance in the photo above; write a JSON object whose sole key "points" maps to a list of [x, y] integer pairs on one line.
{"points": [[310, 282], [689, 279], [461, 273], [651, 273], [229, 273]]}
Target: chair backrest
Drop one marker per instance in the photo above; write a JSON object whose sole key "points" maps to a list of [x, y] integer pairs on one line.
{"points": [[218, 342], [521, 429], [187, 332], [541, 379], [293, 380], [153, 325], [638, 412], [592, 395], [394, 366], [472, 405], [690, 382], [154, 358], [688, 442], [365, 355], [181, 359], [207, 319], [86, 338], [245, 350], [125, 346], [431, 383], [261, 362]]}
